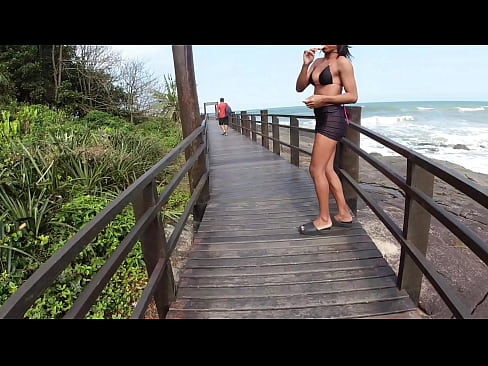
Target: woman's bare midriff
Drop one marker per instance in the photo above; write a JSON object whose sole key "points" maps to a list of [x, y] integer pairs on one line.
{"points": [[328, 90]]}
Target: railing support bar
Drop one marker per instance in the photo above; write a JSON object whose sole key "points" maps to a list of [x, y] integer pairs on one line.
{"points": [[276, 135], [264, 129], [154, 247], [349, 160], [416, 229], [253, 128], [294, 141]]}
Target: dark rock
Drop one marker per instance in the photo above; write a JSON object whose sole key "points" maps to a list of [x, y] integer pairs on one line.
{"points": [[460, 147]]}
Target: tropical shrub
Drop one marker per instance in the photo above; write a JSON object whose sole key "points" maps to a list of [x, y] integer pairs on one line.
{"points": [[124, 288], [55, 176]]}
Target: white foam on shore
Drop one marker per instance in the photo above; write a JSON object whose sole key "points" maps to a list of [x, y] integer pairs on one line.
{"points": [[385, 120], [463, 153], [467, 147], [476, 109]]}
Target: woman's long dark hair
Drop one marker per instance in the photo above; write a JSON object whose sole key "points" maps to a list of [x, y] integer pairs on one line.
{"points": [[343, 50]]}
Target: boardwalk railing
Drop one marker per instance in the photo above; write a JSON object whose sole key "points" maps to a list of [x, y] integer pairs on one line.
{"points": [[148, 206], [418, 187]]}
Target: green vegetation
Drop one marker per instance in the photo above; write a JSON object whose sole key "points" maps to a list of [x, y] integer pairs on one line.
{"points": [[63, 158]]}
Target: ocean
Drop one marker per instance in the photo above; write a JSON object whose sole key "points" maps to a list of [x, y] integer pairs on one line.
{"points": [[453, 131]]}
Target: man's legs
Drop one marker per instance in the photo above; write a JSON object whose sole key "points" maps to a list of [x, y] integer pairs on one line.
{"points": [[221, 125], [226, 125]]}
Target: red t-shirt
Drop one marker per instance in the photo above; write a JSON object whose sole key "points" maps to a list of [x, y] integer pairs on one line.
{"points": [[221, 109]]}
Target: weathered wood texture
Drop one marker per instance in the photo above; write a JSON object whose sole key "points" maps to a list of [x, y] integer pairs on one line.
{"points": [[249, 261]]}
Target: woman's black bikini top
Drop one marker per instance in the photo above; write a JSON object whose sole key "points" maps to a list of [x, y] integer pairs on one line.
{"points": [[325, 78]]}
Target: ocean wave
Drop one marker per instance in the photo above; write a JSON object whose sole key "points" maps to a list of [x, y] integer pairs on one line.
{"points": [[472, 109], [384, 120], [475, 138], [470, 156], [425, 108]]}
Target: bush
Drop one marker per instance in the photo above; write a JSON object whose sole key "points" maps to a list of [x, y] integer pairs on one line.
{"points": [[118, 298], [103, 120], [68, 170]]}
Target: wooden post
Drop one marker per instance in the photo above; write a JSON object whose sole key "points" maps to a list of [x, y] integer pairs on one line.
{"points": [[416, 229], [190, 120], [276, 135], [294, 141], [239, 123], [264, 129], [154, 247], [245, 123], [348, 160], [253, 128], [232, 120]]}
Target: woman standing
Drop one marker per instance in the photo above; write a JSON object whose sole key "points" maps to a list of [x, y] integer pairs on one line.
{"points": [[335, 85]]}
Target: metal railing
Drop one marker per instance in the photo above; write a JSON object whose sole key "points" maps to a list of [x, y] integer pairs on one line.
{"points": [[417, 186]]}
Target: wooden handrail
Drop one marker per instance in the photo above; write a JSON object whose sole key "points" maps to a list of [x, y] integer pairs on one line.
{"points": [[349, 151]]}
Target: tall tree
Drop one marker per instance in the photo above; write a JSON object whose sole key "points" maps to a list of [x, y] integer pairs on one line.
{"points": [[94, 69], [57, 63], [22, 65], [7, 90], [138, 85]]}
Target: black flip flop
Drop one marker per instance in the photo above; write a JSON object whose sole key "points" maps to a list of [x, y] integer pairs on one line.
{"points": [[341, 223], [310, 229]]}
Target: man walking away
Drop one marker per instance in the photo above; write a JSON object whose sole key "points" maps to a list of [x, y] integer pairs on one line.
{"points": [[223, 114]]}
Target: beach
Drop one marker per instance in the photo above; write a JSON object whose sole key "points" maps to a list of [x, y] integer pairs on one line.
{"points": [[451, 258]]}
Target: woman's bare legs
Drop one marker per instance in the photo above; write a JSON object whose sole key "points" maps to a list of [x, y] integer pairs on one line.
{"points": [[326, 180], [323, 150], [335, 187]]}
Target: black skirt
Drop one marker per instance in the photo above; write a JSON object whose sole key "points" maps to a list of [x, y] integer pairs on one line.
{"points": [[331, 121]]}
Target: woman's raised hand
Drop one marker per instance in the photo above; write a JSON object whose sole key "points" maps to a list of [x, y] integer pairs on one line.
{"points": [[309, 55]]}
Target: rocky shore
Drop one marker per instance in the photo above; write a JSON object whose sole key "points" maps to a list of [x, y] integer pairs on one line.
{"points": [[467, 274], [452, 259]]}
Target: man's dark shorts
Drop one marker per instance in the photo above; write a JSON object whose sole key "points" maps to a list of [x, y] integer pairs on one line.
{"points": [[224, 121]]}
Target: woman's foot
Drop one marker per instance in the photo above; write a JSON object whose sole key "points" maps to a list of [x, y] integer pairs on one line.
{"points": [[342, 221], [317, 227]]}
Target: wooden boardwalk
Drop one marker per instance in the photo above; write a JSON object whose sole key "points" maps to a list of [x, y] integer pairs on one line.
{"points": [[249, 261]]}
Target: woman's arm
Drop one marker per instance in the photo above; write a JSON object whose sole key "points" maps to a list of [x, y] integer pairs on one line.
{"points": [[304, 75], [302, 80]]}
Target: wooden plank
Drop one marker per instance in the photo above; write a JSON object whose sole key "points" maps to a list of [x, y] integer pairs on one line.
{"points": [[276, 290], [188, 280], [290, 268], [287, 301], [339, 311], [410, 314], [296, 259], [268, 235], [246, 252], [249, 261], [290, 244]]}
